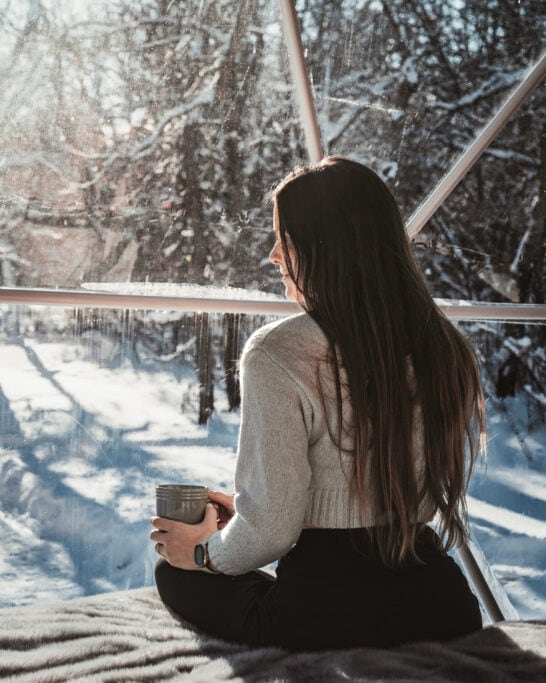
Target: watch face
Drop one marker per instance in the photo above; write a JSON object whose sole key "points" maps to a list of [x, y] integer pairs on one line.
{"points": [[199, 555]]}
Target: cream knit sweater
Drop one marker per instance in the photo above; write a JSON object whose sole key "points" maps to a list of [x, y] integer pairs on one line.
{"points": [[289, 473]]}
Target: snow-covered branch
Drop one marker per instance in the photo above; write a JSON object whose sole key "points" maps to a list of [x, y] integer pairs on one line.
{"points": [[497, 83]]}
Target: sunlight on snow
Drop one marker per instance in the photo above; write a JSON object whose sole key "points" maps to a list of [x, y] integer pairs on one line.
{"points": [[506, 519]]}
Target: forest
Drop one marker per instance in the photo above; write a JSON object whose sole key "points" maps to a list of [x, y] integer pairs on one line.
{"points": [[140, 140]]}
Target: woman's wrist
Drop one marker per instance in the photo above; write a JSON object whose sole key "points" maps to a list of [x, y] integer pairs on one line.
{"points": [[202, 558]]}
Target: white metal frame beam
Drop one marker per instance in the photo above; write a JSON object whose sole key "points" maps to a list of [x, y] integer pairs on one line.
{"points": [[304, 96], [481, 586], [530, 81], [455, 310]]}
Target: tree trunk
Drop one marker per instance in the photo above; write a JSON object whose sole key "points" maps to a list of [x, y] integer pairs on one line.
{"points": [[232, 340], [205, 367], [531, 276]]}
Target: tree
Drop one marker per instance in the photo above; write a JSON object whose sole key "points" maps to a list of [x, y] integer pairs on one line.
{"points": [[405, 85], [141, 136]]}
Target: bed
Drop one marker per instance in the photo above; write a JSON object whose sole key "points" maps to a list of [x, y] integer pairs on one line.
{"points": [[130, 636]]}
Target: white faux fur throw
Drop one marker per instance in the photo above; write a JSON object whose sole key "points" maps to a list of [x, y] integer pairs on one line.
{"points": [[130, 636]]}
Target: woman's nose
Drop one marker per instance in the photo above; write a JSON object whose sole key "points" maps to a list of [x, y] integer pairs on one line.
{"points": [[275, 255]]}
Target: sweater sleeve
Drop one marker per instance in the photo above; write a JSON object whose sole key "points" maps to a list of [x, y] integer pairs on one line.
{"points": [[272, 475]]}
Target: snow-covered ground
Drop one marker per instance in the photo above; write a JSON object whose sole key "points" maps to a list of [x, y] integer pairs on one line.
{"points": [[83, 446], [507, 505]]}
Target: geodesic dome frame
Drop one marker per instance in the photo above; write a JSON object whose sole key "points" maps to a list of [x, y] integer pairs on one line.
{"points": [[457, 310]]}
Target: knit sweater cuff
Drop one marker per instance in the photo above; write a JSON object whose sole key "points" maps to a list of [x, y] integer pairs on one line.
{"points": [[218, 557]]}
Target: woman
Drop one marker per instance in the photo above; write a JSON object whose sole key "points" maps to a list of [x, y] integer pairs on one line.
{"points": [[361, 419]]}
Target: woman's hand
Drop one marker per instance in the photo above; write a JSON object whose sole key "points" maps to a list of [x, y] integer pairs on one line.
{"points": [[176, 541], [224, 505]]}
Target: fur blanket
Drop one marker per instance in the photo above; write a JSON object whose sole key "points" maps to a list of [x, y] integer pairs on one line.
{"points": [[130, 636]]}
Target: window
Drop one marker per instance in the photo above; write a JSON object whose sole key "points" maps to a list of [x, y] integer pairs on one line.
{"points": [[139, 141]]}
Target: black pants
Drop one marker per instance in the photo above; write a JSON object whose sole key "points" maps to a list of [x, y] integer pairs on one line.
{"points": [[331, 591]]}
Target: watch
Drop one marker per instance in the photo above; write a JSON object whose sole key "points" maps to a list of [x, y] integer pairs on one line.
{"points": [[201, 557]]}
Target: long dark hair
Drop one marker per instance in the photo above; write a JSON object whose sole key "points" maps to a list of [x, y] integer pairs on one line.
{"points": [[354, 269]]}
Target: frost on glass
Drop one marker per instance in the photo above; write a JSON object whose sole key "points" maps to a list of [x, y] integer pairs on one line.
{"points": [[139, 139]]}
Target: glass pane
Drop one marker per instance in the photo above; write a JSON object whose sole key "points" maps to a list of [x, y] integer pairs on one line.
{"points": [[97, 407], [405, 86], [486, 242], [507, 502], [139, 140]]}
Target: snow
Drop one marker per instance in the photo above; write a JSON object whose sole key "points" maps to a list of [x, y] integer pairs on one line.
{"points": [[514, 522], [83, 444], [514, 266], [187, 290], [409, 70], [507, 505], [497, 83]]}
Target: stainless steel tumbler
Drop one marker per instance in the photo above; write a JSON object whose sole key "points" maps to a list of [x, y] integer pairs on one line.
{"points": [[181, 502]]}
